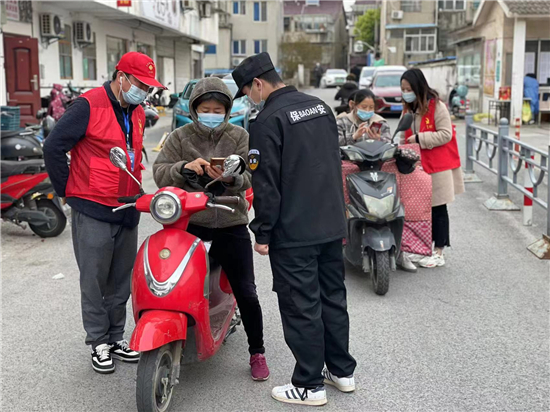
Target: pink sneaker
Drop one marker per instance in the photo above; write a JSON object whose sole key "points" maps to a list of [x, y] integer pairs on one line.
{"points": [[258, 367]]}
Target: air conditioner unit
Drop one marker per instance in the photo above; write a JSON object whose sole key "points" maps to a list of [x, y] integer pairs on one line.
{"points": [[397, 14], [235, 61], [51, 26], [83, 32]]}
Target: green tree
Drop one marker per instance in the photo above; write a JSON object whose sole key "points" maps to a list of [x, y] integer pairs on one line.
{"points": [[366, 25]]}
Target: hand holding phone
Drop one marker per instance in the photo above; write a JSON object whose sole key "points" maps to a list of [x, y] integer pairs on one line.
{"points": [[217, 161]]}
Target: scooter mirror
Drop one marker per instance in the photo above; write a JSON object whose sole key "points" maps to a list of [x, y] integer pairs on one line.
{"points": [[118, 158], [404, 124], [233, 165]]}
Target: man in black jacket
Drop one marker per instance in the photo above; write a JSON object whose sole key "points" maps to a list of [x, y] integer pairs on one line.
{"points": [[300, 222]]}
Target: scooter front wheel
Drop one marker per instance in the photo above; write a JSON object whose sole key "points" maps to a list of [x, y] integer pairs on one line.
{"points": [[154, 375], [380, 274]]}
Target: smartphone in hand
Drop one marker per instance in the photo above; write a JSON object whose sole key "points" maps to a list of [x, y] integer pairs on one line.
{"points": [[217, 161], [375, 127]]}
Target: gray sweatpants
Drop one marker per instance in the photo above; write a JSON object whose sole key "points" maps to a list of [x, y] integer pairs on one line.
{"points": [[105, 254]]}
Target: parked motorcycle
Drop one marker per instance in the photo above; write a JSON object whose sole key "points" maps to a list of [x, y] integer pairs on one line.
{"points": [[182, 301], [375, 213], [158, 98], [457, 101], [28, 196]]}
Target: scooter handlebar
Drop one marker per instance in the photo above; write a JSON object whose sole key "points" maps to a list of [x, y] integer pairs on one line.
{"points": [[227, 200]]}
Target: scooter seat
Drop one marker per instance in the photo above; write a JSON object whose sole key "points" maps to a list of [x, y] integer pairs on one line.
{"points": [[12, 167], [11, 133]]}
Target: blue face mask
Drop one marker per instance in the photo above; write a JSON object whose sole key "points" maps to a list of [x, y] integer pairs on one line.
{"points": [[409, 97], [211, 120], [364, 115], [133, 96]]}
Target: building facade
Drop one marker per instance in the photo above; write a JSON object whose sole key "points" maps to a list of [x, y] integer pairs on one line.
{"points": [[245, 28], [408, 31], [506, 40], [49, 42], [322, 23]]}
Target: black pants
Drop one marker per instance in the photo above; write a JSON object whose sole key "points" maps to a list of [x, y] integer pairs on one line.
{"points": [[440, 226], [232, 249], [309, 282]]}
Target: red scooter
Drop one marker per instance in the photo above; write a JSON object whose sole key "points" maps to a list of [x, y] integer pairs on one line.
{"points": [[28, 196], [182, 301]]}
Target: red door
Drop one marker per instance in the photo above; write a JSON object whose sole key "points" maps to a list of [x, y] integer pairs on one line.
{"points": [[22, 76]]}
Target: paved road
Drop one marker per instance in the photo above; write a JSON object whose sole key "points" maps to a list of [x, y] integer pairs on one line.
{"points": [[472, 336]]}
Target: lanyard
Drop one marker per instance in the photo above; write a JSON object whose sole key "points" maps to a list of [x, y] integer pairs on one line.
{"points": [[126, 117]]}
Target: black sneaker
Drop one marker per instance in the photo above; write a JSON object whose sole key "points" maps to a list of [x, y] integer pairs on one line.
{"points": [[101, 359], [121, 351]]}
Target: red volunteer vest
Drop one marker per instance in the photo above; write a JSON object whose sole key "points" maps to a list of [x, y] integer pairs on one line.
{"points": [[92, 176], [439, 158]]}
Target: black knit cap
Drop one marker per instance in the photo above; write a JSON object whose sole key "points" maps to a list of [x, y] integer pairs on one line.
{"points": [[249, 69]]}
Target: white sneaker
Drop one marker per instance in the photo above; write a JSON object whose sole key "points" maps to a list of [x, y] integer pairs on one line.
{"points": [[405, 263], [342, 384], [414, 258], [434, 261], [291, 394]]}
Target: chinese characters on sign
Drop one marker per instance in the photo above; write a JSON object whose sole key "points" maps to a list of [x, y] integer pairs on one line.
{"points": [[12, 10], [166, 12], [124, 3]]}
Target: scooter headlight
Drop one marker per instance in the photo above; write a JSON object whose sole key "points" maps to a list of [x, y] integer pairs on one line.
{"points": [[166, 208], [379, 207]]}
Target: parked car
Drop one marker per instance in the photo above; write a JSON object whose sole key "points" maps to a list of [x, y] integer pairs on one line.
{"points": [[380, 69], [240, 112], [365, 79], [386, 86], [333, 78]]}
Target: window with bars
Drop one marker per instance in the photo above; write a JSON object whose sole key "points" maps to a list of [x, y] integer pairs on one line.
{"points": [[239, 7], [260, 11], [260, 46], [89, 65], [411, 6], [420, 40], [452, 5], [239, 47], [66, 54]]}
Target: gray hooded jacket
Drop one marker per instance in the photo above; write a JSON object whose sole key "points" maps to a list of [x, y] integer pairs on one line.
{"points": [[195, 140]]}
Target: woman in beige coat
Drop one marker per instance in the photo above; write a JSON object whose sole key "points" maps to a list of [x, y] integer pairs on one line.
{"points": [[433, 131]]}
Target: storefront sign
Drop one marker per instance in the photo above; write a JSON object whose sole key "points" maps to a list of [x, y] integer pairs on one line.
{"points": [[12, 10], [490, 67], [124, 3], [166, 12]]}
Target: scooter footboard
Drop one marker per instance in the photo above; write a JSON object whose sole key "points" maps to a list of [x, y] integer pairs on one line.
{"points": [[156, 328]]}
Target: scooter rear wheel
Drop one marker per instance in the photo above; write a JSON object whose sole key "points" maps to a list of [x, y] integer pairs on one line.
{"points": [[154, 374], [380, 274], [58, 220]]}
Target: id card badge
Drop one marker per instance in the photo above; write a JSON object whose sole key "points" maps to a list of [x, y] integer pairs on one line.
{"points": [[132, 155]]}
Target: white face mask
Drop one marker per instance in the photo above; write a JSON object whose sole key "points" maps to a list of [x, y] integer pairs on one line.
{"points": [[258, 106]]}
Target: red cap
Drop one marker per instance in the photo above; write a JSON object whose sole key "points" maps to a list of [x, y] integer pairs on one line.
{"points": [[141, 66]]}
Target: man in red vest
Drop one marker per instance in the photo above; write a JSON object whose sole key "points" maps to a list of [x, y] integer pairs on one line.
{"points": [[105, 243]]}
